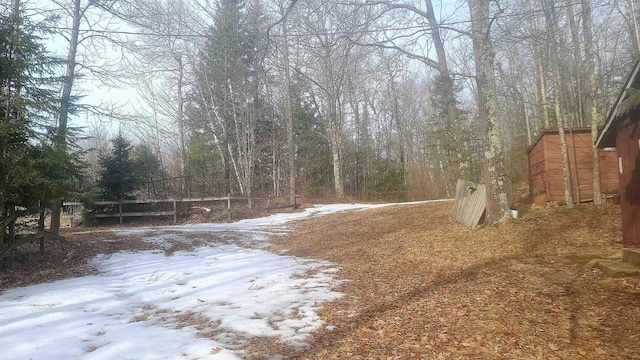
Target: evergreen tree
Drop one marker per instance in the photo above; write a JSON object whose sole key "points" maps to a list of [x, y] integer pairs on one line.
{"points": [[117, 179], [147, 168], [313, 153], [202, 167], [32, 169]]}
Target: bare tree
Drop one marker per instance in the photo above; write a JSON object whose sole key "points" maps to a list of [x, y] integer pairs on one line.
{"points": [[332, 52], [497, 200], [75, 12], [160, 65], [592, 118]]}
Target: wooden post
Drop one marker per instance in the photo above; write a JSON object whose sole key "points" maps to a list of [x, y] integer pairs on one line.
{"points": [[249, 202], [175, 216], [268, 201], [120, 211], [12, 237], [41, 228], [229, 207]]}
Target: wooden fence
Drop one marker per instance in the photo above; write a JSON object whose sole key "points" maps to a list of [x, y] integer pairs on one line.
{"points": [[72, 207], [13, 240]]}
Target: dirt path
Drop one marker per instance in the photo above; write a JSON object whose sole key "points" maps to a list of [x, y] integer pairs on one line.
{"points": [[422, 287]]}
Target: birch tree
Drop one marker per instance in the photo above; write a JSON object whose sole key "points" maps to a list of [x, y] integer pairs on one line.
{"points": [[228, 92], [592, 118]]}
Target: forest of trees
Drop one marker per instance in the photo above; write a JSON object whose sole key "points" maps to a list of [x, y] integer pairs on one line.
{"points": [[366, 99]]}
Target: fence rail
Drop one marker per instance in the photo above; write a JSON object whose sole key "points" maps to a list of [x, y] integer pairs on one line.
{"points": [[13, 240], [120, 214]]}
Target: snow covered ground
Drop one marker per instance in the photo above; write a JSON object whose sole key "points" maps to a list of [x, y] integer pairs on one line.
{"points": [[159, 305]]}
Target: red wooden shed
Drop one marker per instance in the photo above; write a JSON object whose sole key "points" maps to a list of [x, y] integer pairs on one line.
{"points": [[622, 130], [546, 177]]}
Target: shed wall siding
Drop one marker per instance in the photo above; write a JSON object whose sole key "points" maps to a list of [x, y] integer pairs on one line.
{"points": [[609, 171], [537, 174], [552, 177], [628, 146], [584, 165]]}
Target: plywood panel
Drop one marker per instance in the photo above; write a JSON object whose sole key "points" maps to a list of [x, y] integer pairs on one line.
{"points": [[470, 204]]}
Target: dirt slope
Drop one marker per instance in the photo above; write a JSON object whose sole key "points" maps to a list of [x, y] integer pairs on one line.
{"points": [[422, 287]]}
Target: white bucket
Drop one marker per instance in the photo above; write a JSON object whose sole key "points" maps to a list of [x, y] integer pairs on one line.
{"points": [[514, 214]]}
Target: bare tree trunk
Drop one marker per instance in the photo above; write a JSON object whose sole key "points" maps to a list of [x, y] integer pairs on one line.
{"points": [[577, 68], [527, 122], [541, 77], [288, 111], [355, 109], [336, 145], [462, 164], [180, 114], [591, 114], [65, 99], [568, 192], [337, 165], [497, 201], [576, 178], [557, 89], [274, 160]]}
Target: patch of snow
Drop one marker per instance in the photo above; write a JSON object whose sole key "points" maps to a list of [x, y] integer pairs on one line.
{"points": [[132, 309], [275, 221], [140, 304], [85, 318]]}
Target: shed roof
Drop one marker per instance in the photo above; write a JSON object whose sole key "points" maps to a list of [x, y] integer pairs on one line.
{"points": [[627, 100], [555, 131]]}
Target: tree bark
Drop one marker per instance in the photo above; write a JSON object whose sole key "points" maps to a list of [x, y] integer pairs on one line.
{"points": [[497, 200], [592, 117], [335, 136], [527, 122], [577, 68], [288, 112], [180, 116], [461, 163], [65, 100], [557, 89], [541, 77], [337, 164]]}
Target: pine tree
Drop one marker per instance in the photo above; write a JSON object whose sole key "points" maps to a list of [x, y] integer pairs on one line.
{"points": [[117, 179], [32, 169], [147, 168], [202, 167]]}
